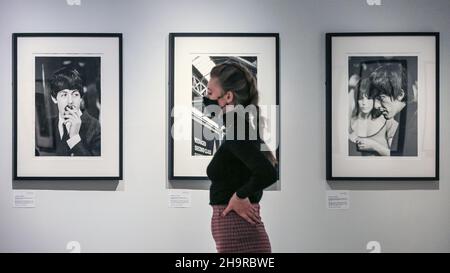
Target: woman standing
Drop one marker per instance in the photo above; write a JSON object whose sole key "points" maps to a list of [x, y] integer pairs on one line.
{"points": [[239, 170]]}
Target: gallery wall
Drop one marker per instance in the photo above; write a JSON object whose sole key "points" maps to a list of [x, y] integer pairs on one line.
{"points": [[133, 215]]}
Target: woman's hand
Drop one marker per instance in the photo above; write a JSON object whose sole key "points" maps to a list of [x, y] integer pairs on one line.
{"points": [[366, 144], [372, 145], [243, 208]]}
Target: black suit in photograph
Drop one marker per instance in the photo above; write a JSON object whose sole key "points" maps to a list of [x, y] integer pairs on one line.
{"points": [[90, 135]]}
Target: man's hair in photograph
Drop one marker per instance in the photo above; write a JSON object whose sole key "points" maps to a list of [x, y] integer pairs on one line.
{"points": [[65, 78], [389, 79]]}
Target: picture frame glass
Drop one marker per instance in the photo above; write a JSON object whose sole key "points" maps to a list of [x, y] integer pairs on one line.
{"points": [[66, 125], [383, 108], [194, 134]]}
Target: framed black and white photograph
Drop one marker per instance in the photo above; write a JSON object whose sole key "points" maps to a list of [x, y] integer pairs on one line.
{"points": [[194, 132], [382, 106], [68, 106]]}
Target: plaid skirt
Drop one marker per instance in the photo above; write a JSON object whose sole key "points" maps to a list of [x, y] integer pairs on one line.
{"points": [[233, 234]]}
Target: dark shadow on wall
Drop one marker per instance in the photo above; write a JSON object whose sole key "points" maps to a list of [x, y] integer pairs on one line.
{"points": [[73, 185], [383, 185], [189, 184], [204, 185]]}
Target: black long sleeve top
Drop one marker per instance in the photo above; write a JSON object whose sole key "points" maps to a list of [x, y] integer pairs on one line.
{"points": [[239, 166]]}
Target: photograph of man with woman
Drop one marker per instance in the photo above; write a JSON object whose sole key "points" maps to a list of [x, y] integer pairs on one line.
{"points": [[383, 98]]}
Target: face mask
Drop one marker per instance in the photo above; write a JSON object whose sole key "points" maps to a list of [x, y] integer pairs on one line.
{"points": [[211, 106], [207, 101]]}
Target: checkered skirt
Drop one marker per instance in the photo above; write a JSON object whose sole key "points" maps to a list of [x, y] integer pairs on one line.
{"points": [[233, 234]]}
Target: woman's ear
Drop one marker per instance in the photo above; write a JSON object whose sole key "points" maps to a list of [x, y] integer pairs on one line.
{"points": [[229, 97]]}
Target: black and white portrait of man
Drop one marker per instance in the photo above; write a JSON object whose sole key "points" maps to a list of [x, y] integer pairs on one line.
{"points": [[68, 103]]}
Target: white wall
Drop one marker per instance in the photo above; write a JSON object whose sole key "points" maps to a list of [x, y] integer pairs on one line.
{"points": [[133, 215]]}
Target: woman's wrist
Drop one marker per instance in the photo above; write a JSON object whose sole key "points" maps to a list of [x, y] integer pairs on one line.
{"points": [[238, 196]]}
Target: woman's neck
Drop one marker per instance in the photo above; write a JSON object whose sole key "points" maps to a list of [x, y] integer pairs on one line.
{"points": [[364, 115]]}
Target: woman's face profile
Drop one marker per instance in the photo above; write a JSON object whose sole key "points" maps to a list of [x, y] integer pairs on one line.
{"points": [[215, 91]]}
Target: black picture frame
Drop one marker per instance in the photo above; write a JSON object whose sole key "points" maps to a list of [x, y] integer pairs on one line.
{"points": [[330, 37], [118, 84], [171, 100]]}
